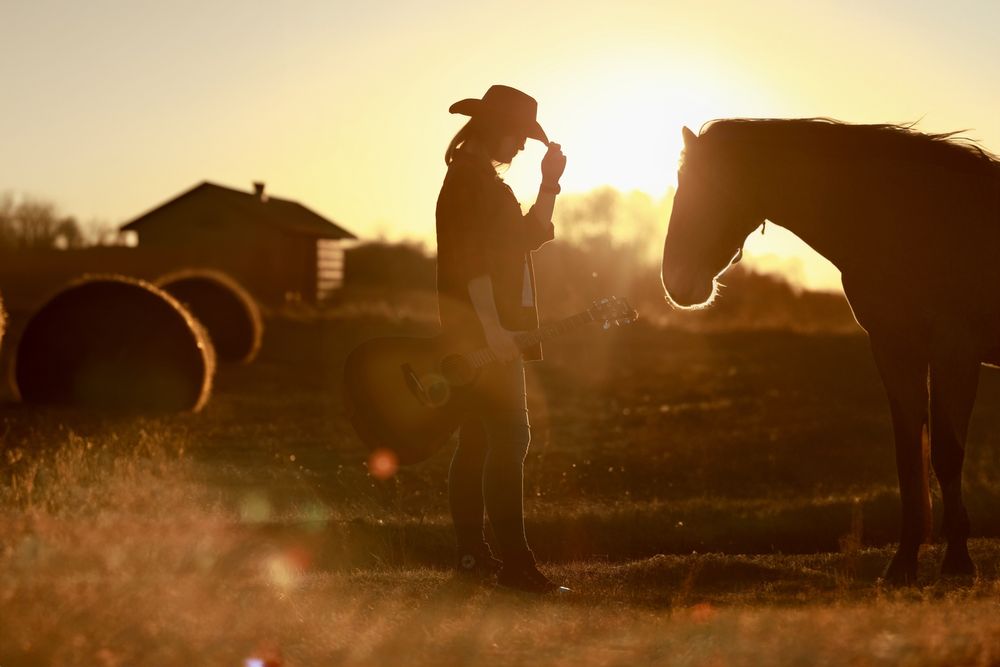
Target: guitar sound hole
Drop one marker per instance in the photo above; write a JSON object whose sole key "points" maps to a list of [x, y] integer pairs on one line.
{"points": [[438, 391]]}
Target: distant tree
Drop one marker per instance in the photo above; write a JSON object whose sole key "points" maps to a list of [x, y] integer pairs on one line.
{"points": [[609, 243], [36, 223], [6, 221], [608, 217]]}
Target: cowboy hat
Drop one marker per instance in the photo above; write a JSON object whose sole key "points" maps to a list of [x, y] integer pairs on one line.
{"points": [[505, 105]]}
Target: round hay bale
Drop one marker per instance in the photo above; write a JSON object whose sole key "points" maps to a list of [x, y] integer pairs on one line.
{"points": [[224, 308], [114, 343]]}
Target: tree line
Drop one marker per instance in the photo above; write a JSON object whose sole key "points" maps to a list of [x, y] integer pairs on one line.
{"points": [[610, 243], [29, 223]]}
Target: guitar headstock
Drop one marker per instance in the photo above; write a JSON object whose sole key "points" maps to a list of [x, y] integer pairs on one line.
{"points": [[613, 310]]}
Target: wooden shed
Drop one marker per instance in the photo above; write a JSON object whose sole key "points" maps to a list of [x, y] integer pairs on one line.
{"points": [[277, 248]]}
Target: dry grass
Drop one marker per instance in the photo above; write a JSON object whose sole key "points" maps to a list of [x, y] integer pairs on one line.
{"points": [[253, 530], [115, 556]]}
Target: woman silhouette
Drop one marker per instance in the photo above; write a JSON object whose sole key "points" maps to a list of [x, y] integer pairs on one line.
{"points": [[486, 293]]}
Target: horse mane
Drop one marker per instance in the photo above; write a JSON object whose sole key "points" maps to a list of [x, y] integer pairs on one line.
{"points": [[827, 136]]}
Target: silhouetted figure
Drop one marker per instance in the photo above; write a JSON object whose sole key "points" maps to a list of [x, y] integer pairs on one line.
{"points": [[486, 290], [912, 221]]}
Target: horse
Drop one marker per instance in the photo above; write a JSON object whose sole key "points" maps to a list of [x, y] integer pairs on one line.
{"points": [[912, 221]]}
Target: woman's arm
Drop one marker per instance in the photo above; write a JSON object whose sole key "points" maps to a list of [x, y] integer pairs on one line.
{"points": [[539, 229], [545, 203], [499, 339], [539, 218]]}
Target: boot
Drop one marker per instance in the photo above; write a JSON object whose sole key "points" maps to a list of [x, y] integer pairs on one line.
{"points": [[522, 574]]}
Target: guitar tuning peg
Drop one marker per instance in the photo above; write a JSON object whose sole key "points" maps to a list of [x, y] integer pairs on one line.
{"points": [[607, 325]]}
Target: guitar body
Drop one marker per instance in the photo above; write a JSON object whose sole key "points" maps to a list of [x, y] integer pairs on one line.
{"points": [[407, 395]]}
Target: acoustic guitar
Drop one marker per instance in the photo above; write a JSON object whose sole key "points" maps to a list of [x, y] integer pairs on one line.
{"points": [[407, 396]]}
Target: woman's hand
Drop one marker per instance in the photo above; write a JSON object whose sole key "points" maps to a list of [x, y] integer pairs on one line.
{"points": [[502, 344], [553, 164]]}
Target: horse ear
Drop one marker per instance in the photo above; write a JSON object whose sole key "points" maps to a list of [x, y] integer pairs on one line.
{"points": [[689, 137]]}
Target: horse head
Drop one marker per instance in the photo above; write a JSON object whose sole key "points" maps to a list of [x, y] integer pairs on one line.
{"points": [[712, 216]]}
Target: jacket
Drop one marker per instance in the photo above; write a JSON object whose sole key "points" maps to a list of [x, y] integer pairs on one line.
{"points": [[481, 230]]}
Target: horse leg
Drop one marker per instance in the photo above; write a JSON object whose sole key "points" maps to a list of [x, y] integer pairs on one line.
{"points": [[904, 375], [953, 384]]}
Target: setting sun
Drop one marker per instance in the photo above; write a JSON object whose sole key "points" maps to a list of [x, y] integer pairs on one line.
{"points": [[621, 124]]}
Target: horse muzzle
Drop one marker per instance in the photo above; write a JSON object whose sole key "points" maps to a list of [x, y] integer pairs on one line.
{"points": [[687, 291]]}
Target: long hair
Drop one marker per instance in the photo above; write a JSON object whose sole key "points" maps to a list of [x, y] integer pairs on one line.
{"points": [[480, 129]]}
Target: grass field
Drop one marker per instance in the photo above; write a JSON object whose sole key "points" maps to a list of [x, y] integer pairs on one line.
{"points": [[713, 499]]}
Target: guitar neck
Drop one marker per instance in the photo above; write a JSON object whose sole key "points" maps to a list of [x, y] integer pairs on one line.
{"points": [[529, 338], [526, 339]]}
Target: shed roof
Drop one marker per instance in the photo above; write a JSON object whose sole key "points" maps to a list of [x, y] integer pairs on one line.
{"points": [[286, 214]]}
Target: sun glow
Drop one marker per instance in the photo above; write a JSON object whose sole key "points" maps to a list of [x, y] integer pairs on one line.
{"points": [[621, 125]]}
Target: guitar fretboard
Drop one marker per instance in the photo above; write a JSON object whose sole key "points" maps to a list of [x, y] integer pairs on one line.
{"points": [[484, 356]]}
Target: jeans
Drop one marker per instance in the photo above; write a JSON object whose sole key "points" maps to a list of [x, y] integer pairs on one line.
{"points": [[487, 469]]}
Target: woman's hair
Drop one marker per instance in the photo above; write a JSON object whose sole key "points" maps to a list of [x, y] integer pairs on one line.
{"points": [[478, 128]]}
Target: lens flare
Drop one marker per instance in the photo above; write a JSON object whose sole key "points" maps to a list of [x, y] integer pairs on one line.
{"points": [[285, 569], [383, 464], [255, 508]]}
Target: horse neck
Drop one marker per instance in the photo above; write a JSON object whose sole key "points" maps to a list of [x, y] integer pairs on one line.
{"points": [[801, 196], [877, 218]]}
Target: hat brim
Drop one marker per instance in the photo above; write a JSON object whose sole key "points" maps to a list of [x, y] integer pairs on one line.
{"points": [[473, 107]]}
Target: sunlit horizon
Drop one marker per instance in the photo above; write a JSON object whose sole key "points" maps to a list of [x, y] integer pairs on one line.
{"points": [[114, 109]]}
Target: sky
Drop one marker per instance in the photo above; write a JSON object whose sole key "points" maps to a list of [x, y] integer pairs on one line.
{"points": [[109, 108]]}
